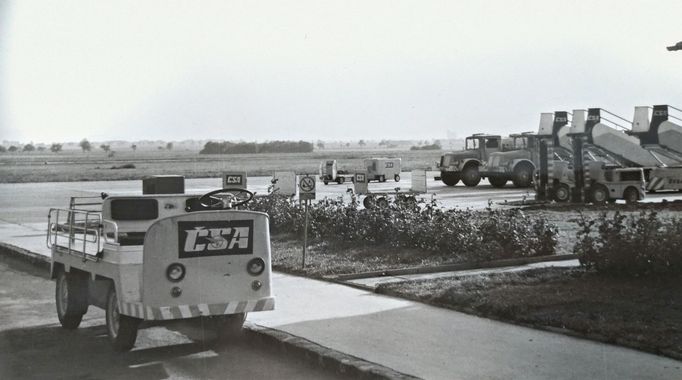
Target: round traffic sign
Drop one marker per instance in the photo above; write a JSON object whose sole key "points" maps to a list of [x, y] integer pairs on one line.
{"points": [[307, 184]]}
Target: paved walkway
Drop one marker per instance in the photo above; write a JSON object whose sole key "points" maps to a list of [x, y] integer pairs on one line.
{"points": [[426, 341]]}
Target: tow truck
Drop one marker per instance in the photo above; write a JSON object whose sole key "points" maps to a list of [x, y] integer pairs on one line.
{"points": [[160, 257]]}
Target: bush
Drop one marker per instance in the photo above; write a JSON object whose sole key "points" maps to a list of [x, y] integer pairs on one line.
{"points": [[635, 245], [410, 223]]}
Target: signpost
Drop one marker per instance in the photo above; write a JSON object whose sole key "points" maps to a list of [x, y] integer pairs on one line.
{"points": [[234, 180], [306, 187]]}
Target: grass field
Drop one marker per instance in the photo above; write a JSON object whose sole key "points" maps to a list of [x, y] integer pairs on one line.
{"points": [[643, 313], [96, 166]]}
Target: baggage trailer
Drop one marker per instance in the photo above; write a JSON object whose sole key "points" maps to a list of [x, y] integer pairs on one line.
{"points": [[379, 169], [161, 257]]}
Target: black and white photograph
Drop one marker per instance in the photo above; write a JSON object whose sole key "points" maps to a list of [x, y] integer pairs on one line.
{"points": [[341, 189]]}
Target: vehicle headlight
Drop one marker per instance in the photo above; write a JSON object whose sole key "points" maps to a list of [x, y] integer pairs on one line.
{"points": [[175, 272], [255, 266]]}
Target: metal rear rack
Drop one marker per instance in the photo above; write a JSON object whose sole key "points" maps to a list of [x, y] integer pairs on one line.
{"points": [[77, 230]]}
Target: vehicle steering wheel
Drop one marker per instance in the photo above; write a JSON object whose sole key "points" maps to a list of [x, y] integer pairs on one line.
{"points": [[212, 201]]}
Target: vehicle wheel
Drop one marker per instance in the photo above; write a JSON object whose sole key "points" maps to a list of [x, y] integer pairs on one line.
{"points": [[523, 175], [229, 326], [382, 202], [368, 202], [600, 194], [396, 178], [326, 182], [470, 175], [71, 297], [498, 182], [449, 178], [562, 193], [631, 195], [382, 178], [122, 329]]}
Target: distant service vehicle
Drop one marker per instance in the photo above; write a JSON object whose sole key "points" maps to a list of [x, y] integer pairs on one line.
{"points": [[379, 169], [160, 257], [330, 173]]}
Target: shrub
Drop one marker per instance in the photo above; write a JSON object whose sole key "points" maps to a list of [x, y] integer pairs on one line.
{"points": [[634, 245], [410, 223]]}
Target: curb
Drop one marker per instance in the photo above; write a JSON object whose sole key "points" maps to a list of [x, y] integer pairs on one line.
{"points": [[324, 357], [453, 267], [305, 349], [24, 255]]}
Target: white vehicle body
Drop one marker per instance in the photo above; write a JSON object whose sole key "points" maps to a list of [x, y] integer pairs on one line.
{"points": [[135, 247], [380, 169]]}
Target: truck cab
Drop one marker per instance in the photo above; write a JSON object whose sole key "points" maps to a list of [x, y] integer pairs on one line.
{"points": [[464, 164], [516, 164]]}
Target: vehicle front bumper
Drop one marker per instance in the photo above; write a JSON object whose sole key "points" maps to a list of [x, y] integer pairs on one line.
{"points": [[150, 313]]}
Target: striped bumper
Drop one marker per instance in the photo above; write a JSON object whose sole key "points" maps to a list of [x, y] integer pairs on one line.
{"points": [[656, 183], [139, 310]]}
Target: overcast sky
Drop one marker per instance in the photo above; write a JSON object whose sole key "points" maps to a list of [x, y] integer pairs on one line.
{"points": [[311, 69]]}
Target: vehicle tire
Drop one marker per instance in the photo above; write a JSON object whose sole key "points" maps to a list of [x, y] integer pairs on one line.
{"points": [[382, 202], [523, 175], [470, 176], [562, 193], [631, 195], [229, 326], [326, 182], [368, 202], [71, 297], [397, 178], [449, 178], [122, 329], [599, 194], [382, 178], [498, 182]]}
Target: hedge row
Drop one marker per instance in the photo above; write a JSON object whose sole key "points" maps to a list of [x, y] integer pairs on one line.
{"points": [[407, 222], [634, 245]]}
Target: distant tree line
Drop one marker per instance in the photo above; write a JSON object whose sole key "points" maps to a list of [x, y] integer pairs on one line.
{"points": [[434, 146], [253, 147]]}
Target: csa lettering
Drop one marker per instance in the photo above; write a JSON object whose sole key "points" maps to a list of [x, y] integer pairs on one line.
{"points": [[215, 238]]}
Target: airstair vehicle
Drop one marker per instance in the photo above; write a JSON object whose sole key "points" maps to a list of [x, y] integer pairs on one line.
{"points": [[662, 167], [582, 171], [663, 139], [161, 256]]}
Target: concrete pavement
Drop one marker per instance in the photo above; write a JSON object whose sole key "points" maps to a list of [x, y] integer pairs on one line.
{"points": [[426, 341]]}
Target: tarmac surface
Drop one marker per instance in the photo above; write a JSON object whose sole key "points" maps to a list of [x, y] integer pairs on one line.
{"points": [[406, 336]]}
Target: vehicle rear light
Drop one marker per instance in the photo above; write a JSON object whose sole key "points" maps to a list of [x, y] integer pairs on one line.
{"points": [[255, 266], [175, 272]]}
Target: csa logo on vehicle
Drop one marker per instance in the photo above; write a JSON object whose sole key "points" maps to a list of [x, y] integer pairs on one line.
{"points": [[215, 238]]}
